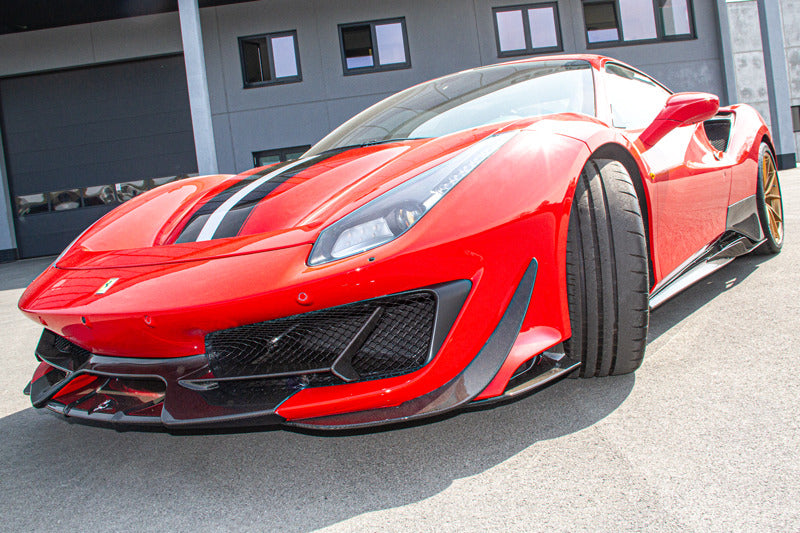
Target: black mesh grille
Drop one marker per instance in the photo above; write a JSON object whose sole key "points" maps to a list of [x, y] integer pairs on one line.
{"points": [[399, 343], [401, 339], [718, 132]]}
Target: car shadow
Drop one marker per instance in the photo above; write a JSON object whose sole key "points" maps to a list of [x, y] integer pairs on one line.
{"points": [[291, 480], [687, 302]]}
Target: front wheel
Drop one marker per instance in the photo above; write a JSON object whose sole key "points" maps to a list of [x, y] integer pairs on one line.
{"points": [[769, 201], [607, 272]]}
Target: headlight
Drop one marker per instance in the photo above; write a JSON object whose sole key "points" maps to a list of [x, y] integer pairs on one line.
{"points": [[390, 215]]}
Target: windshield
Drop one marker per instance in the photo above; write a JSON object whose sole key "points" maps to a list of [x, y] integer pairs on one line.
{"points": [[469, 99]]}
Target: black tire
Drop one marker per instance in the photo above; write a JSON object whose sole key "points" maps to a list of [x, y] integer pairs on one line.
{"points": [[607, 272], [767, 171]]}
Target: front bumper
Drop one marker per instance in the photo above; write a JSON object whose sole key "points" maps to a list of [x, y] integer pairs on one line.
{"points": [[196, 391], [249, 371]]}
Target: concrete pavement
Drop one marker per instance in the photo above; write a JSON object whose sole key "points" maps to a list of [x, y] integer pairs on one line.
{"points": [[704, 437]]}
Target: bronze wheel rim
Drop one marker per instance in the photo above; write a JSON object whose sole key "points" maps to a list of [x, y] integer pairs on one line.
{"points": [[772, 198]]}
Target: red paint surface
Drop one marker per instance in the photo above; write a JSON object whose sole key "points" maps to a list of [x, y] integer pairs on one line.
{"points": [[513, 207]]}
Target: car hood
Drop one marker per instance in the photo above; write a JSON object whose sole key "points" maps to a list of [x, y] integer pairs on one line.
{"points": [[264, 209]]}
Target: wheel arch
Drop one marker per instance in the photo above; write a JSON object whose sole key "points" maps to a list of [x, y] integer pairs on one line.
{"points": [[619, 153]]}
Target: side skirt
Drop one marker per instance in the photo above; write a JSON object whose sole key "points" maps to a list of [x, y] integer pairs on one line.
{"points": [[742, 235]]}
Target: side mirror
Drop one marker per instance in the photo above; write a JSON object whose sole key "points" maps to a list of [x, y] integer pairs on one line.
{"points": [[681, 109]]}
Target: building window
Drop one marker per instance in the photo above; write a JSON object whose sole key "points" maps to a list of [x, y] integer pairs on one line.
{"points": [[527, 29], [610, 22], [796, 118], [270, 59], [374, 46], [98, 195], [270, 157]]}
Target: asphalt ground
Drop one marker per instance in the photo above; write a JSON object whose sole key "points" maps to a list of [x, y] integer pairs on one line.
{"points": [[704, 437]]}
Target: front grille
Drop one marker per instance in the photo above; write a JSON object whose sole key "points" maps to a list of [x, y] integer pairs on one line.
{"points": [[60, 352], [377, 338]]}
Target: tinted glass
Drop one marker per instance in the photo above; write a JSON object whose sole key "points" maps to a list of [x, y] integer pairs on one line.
{"points": [[469, 99], [357, 42], [254, 70], [635, 99], [601, 22]]}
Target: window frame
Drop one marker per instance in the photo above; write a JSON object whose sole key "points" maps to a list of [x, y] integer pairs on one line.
{"points": [[376, 64], [271, 59], [606, 89], [526, 28], [280, 152], [796, 118], [659, 23]]}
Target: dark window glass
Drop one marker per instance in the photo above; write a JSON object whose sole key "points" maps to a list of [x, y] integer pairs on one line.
{"points": [[357, 44], [270, 157], [796, 118], [527, 29], [635, 99], [477, 97], [374, 46], [269, 59], [30, 204], [601, 22]]}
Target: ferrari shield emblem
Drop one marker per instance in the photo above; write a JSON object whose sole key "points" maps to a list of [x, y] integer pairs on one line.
{"points": [[107, 285]]}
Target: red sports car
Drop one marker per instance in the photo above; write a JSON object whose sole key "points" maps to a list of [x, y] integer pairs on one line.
{"points": [[466, 240]]}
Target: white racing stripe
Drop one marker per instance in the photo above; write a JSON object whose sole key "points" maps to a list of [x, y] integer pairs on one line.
{"points": [[213, 222]]}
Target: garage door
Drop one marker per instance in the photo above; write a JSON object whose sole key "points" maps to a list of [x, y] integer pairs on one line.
{"points": [[79, 142]]}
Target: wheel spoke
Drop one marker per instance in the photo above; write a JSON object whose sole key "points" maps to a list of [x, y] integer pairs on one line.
{"points": [[773, 214], [775, 229], [770, 182]]}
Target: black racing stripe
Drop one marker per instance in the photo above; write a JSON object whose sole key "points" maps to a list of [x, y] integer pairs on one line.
{"points": [[233, 221], [195, 225]]}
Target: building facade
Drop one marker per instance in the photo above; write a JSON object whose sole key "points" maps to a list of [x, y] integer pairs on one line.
{"points": [[748, 54], [94, 113]]}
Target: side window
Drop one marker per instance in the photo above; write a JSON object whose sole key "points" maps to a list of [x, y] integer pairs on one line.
{"points": [[269, 59], [635, 99], [374, 46]]}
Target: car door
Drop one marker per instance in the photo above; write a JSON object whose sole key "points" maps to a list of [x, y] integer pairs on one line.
{"points": [[691, 185]]}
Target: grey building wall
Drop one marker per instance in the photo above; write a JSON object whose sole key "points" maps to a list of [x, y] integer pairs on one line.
{"points": [[790, 12], [444, 36], [748, 54]]}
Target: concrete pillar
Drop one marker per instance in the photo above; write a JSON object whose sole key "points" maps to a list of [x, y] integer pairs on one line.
{"points": [[726, 46], [769, 14], [199, 101], [8, 242]]}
